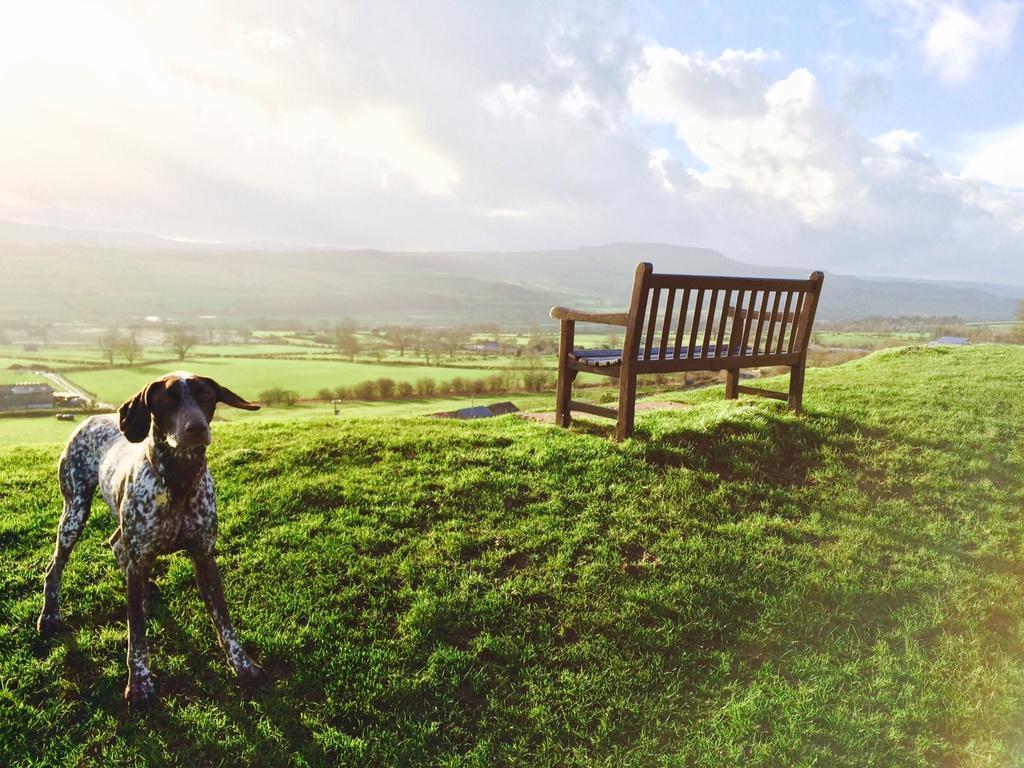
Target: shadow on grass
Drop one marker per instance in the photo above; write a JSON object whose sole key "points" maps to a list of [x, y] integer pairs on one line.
{"points": [[770, 446]]}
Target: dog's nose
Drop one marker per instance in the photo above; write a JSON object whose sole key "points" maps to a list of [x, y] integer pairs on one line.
{"points": [[195, 427]]}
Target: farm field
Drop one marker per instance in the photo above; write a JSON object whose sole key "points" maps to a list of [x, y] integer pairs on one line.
{"points": [[17, 376], [82, 355], [864, 340], [250, 376], [737, 586]]}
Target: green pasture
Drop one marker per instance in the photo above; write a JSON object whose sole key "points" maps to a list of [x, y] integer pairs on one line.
{"points": [[864, 340], [250, 376], [17, 376]]}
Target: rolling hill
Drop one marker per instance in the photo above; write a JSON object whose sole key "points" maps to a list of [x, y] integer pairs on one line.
{"points": [[49, 276], [737, 586]]}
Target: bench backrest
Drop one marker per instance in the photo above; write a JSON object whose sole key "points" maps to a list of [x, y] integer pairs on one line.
{"points": [[697, 317]]}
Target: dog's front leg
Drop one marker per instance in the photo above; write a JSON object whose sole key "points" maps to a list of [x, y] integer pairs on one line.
{"points": [[140, 690], [212, 589]]}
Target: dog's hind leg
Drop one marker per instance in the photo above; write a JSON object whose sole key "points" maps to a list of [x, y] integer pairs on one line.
{"points": [[77, 491]]}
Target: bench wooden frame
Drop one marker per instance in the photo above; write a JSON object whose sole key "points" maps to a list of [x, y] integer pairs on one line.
{"points": [[706, 324]]}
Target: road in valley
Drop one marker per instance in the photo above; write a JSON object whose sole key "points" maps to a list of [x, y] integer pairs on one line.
{"points": [[63, 385]]}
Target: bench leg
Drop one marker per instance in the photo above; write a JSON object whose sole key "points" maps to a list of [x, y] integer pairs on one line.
{"points": [[796, 388], [627, 406], [563, 390], [563, 394], [732, 381]]}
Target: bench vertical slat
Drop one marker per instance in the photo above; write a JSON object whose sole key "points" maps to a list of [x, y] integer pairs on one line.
{"points": [[782, 325], [737, 317], [794, 328], [809, 309], [652, 321], [666, 324], [630, 350], [760, 321], [771, 323], [709, 322], [681, 325], [695, 325], [722, 322], [748, 322]]}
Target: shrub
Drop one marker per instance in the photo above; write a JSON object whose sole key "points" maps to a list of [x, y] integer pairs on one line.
{"points": [[405, 390], [457, 386], [278, 396], [325, 394], [364, 390], [385, 388], [426, 386], [537, 380]]}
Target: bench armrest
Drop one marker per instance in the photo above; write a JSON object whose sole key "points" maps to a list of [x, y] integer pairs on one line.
{"points": [[606, 318]]}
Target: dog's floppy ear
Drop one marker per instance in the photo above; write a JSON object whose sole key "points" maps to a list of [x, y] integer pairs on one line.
{"points": [[226, 396], [134, 416]]}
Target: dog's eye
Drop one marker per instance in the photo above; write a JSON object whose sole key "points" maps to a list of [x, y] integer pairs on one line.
{"points": [[206, 395]]}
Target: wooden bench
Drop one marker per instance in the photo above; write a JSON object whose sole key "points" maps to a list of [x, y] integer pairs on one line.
{"points": [[679, 323]]}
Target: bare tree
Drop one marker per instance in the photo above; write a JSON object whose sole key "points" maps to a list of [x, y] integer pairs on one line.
{"points": [[454, 339], [109, 345], [347, 343], [129, 347], [400, 336], [181, 339]]}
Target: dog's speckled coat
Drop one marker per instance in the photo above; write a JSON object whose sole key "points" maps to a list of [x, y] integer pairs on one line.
{"points": [[149, 462]]}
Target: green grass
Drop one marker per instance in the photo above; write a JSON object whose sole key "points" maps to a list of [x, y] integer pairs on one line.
{"points": [[47, 430], [35, 430], [737, 586]]}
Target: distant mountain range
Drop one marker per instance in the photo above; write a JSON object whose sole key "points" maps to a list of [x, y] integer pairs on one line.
{"points": [[56, 275]]}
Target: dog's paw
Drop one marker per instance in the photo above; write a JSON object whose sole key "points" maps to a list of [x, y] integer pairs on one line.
{"points": [[253, 675], [49, 624], [140, 691]]}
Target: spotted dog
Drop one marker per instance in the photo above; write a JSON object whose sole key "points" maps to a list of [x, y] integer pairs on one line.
{"points": [[149, 461]]}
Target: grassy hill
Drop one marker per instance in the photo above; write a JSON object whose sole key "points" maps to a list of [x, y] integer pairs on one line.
{"points": [[736, 586]]}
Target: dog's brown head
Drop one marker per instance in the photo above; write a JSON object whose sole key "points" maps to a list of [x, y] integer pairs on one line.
{"points": [[179, 407]]}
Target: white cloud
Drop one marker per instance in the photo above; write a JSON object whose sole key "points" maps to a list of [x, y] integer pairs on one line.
{"points": [[770, 139], [896, 140], [997, 158], [780, 161], [952, 37], [957, 39], [509, 100]]}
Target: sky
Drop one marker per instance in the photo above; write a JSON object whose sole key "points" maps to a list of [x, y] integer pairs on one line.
{"points": [[877, 137]]}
